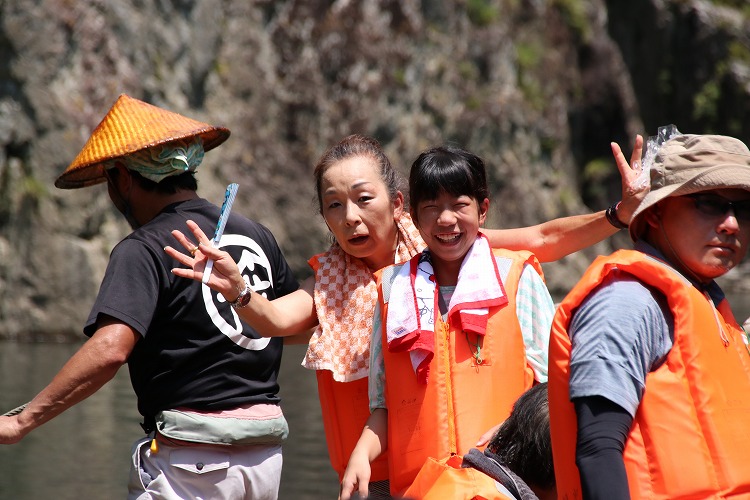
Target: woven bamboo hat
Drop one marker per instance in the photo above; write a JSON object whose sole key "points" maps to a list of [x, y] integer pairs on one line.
{"points": [[129, 126]]}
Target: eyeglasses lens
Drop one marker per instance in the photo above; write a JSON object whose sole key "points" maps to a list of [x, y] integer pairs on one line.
{"points": [[716, 205]]}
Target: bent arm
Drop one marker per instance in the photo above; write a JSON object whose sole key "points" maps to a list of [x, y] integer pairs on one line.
{"points": [[603, 428], [92, 366], [554, 239], [557, 238], [289, 315]]}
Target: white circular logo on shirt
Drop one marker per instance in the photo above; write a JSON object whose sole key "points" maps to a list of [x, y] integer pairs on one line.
{"points": [[255, 265]]}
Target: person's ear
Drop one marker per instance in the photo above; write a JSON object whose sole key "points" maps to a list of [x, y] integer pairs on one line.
{"points": [[484, 208], [652, 216], [122, 180], [398, 205]]}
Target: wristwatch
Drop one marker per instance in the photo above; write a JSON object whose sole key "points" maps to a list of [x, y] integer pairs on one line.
{"points": [[244, 297]]}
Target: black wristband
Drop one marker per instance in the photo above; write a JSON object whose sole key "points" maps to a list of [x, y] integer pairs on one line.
{"points": [[611, 215]]}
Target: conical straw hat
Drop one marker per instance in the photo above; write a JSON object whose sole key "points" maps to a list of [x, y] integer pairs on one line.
{"points": [[129, 126]]}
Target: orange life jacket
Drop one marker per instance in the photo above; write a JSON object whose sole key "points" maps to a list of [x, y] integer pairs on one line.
{"points": [[447, 480], [345, 407], [690, 435], [461, 400]]}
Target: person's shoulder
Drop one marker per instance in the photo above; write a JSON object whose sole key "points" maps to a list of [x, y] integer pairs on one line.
{"points": [[388, 273], [251, 227], [517, 255], [623, 291]]}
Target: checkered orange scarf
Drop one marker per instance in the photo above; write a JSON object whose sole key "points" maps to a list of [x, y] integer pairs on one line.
{"points": [[345, 298]]}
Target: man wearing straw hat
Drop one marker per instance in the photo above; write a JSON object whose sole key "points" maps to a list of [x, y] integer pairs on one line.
{"points": [[205, 382], [649, 376]]}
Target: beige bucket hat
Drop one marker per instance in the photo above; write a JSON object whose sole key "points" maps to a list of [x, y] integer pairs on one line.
{"points": [[692, 163], [129, 126]]}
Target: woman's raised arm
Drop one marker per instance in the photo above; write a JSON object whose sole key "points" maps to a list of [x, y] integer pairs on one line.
{"points": [[557, 238], [285, 316]]}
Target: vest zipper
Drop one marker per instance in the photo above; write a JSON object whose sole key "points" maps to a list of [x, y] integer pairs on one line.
{"points": [[453, 448]]}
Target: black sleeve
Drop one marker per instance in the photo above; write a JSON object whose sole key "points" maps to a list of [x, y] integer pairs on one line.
{"points": [[603, 428]]}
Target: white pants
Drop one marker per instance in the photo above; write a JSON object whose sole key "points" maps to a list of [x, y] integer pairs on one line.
{"points": [[204, 472]]}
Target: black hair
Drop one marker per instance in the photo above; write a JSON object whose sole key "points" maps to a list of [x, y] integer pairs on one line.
{"points": [[523, 441], [169, 185], [446, 169]]}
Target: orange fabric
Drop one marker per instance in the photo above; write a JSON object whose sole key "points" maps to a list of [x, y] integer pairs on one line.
{"points": [[445, 479], [461, 400], [689, 437], [345, 407], [345, 296]]}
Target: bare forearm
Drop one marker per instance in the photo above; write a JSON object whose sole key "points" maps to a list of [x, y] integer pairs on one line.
{"points": [[95, 363], [374, 438], [71, 386], [371, 443], [555, 239], [290, 315]]}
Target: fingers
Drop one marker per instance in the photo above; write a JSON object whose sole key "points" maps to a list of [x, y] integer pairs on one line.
{"points": [[192, 248], [200, 236], [351, 483], [180, 257], [183, 240], [622, 163], [628, 170], [485, 438], [637, 154], [346, 491]]}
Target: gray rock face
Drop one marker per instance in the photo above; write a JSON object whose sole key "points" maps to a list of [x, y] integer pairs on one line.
{"points": [[537, 88]]}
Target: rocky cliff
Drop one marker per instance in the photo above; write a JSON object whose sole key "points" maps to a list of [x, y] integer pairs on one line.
{"points": [[537, 87]]}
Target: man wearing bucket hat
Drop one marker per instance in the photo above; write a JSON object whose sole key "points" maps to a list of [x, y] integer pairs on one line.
{"points": [[205, 381], [649, 376]]}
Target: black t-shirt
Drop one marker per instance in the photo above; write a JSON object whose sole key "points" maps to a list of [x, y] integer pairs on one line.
{"points": [[195, 352]]}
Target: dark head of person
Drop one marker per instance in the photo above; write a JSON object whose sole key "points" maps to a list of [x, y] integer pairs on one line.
{"points": [[446, 169], [523, 442]]}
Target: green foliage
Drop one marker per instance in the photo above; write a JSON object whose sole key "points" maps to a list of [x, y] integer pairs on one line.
{"points": [[706, 100], [481, 12], [528, 55], [595, 174], [741, 5], [532, 91], [32, 188], [528, 58], [574, 13], [738, 51], [473, 103], [468, 70], [399, 76]]}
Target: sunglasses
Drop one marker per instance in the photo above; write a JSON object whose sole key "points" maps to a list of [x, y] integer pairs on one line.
{"points": [[714, 205]]}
